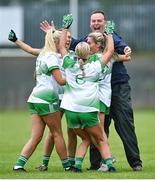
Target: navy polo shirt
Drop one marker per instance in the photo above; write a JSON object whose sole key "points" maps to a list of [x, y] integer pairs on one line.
{"points": [[119, 72]]}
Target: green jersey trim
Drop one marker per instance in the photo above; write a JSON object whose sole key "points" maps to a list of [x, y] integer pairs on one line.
{"points": [[93, 57], [53, 67], [68, 62], [97, 57]]}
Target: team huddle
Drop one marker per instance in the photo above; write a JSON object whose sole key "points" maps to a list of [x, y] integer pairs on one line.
{"points": [[75, 78]]}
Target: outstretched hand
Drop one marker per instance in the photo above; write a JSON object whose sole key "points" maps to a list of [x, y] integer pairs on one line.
{"points": [[12, 36], [109, 27], [45, 26], [67, 21]]}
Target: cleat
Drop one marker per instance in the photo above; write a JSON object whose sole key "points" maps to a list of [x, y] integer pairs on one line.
{"points": [[76, 170], [69, 168], [114, 159], [112, 169], [19, 169], [73, 169], [42, 168], [103, 168]]}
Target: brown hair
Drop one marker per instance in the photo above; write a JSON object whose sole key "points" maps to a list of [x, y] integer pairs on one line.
{"points": [[99, 11]]}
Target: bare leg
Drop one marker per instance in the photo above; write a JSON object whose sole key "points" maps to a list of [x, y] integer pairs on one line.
{"points": [[53, 121], [97, 133], [102, 118], [72, 142], [82, 148], [49, 141], [38, 127], [48, 148]]}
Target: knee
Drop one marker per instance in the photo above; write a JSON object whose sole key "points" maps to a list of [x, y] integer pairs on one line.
{"points": [[57, 133], [86, 141], [99, 140], [36, 139], [50, 135], [71, 132]]}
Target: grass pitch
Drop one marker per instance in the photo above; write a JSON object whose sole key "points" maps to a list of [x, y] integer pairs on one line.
{"points": [[15, 129]]}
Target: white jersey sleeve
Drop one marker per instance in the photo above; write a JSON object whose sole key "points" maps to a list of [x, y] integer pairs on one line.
{"points": [[52, 62]]}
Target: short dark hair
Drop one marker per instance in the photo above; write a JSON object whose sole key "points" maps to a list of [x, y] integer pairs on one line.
{"points": [[99, 11]]}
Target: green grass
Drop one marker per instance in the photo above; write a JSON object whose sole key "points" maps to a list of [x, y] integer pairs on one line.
{"points": [[15, 129]]}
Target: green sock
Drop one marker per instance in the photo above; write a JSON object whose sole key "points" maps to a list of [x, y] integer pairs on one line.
{"points": [[65, 163], [71, 160], [46, 160], [108, 162], [103, 161], [21, 161], [78, 162]]}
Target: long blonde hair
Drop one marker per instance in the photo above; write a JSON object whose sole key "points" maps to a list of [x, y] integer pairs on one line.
{"points": [[52, 37], [82, 51]]}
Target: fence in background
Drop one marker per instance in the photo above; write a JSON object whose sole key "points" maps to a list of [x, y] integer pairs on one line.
{"points": [[134, 19]]}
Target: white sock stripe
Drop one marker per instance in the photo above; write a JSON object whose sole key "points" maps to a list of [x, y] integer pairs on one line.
{"points": [[71, 158], [46, 158], [64, 161], [23, 158]]}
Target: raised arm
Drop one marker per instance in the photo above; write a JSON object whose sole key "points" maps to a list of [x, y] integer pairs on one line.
{"points": [[45, 26], [109, 28], [12, 37], [110, 49], [66, 23], [62, 42]]}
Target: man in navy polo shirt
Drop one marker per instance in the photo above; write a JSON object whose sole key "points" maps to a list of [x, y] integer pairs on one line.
{"points": [[121, 109]]}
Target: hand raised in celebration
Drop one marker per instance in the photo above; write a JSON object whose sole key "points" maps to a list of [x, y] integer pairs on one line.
{"points": [[12, 36]]}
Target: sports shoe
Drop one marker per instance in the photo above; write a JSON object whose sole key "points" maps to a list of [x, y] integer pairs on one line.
{"points": [[73, 169], [112, 169], [113, 159], [69, 168], [42, 168], [103, 168], [76, 170], [137, 168], [19, 169]]}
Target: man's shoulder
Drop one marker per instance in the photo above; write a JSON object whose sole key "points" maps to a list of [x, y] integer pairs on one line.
{"points": [[116, 36]]}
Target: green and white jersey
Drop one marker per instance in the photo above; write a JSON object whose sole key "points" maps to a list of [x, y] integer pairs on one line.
{"points": [[46, 89], [105, 84], [104, 81], [81, 91]]}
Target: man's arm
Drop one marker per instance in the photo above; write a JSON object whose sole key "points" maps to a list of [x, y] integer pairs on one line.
{"points": [[121, 57], [119, 44]]}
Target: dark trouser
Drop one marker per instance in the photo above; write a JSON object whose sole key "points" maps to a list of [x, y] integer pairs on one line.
{"points": [[122, 113]]}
